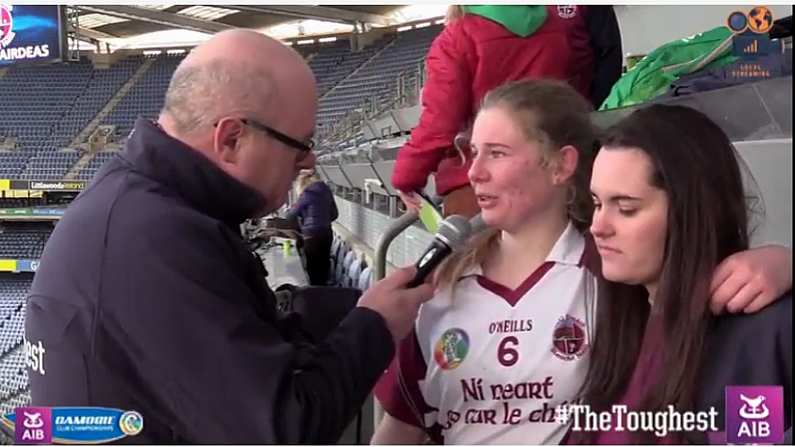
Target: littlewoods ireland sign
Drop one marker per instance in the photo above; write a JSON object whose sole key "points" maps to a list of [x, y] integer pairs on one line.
{"points": [[57, 186]]}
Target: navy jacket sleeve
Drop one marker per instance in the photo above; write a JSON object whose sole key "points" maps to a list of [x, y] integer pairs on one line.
{"points": [[222, 365], [606, 44]]}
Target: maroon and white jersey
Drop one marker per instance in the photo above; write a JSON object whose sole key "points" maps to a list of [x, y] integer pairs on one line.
{"points": [[489, 365]]}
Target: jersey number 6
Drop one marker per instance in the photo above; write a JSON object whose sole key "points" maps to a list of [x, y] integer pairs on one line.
{"points": [[506, 354]]}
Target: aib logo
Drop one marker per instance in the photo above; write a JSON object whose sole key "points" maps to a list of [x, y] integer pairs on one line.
{"points": [[754, 414], [6, 25], [33, 425]]}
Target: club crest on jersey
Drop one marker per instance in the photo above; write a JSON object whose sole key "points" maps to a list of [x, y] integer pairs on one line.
{"points": [[567, 11], [451, 349], [568, 339]]}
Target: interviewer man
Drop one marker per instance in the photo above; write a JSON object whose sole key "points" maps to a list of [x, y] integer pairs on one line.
{"points": [[147, 298]]}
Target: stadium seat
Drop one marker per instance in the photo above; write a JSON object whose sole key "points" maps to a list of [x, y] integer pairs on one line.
{"points": [[365, 279], [354, 270]]}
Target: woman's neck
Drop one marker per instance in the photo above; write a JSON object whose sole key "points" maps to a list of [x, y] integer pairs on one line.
{"points": [[519, 253]]}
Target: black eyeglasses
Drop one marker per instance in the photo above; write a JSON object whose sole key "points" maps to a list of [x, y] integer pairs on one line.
{"points": [[292, 142]]}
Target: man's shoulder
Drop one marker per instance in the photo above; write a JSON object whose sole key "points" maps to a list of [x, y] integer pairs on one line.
{"points": [[133, 206], [778, 310]]}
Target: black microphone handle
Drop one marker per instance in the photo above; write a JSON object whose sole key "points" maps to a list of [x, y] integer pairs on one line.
{"points": [[432, 257]]}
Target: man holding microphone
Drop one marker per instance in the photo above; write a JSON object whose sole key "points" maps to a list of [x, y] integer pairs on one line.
{"points": [[147, 298]]}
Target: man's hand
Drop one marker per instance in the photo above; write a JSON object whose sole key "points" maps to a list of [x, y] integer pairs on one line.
{"points": [[411, 200], [397, 304], [750, 280]]}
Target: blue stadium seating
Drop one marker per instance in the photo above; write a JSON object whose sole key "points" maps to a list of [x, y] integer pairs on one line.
{"points": [[378, 76], [335, 248], [21, 242], [45, 165], [339, 268], [51, 105], [354, 270], [365, 279], [87, 173], [146, 97], [13, 374]]}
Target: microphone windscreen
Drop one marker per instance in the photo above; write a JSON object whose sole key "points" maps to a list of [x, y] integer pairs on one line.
{"points": [[476, 224], [454, 230]]}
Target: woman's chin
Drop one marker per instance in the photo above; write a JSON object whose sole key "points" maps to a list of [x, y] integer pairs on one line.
{"points": [[493, 219]]}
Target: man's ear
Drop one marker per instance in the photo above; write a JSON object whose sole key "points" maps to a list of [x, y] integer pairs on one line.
{"points": [[565, 164], [226, 140]]}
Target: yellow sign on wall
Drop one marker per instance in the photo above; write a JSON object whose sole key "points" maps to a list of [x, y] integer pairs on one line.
{"points": [[8, 265]]}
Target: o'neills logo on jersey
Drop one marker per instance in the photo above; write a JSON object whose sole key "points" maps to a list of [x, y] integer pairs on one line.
{"points": [[451, 349], [568, 339]]}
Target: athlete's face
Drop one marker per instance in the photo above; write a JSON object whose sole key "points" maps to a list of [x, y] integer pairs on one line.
{"points": [[510, 183], [630, 217]]}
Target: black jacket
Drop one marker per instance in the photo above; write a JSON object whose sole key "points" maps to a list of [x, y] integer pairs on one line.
{"points": [[147, 299], [743, 350], [607, 55]]}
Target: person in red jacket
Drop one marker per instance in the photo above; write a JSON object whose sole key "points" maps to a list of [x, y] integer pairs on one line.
{"points": [[482, 47]]}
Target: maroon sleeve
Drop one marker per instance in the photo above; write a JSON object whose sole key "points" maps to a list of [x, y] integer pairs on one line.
{"points": [[398, 389], [446, 104]]}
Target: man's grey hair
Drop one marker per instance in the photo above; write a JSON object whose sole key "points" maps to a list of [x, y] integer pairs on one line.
{"points": [[201, 93]]}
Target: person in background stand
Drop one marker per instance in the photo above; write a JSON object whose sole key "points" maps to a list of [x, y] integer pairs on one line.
{"points": [[315, 209], [482, 47]]}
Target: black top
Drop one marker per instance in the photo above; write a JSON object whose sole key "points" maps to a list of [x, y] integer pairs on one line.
{"points": [[608, 58], [147, 299], [748, 349]]}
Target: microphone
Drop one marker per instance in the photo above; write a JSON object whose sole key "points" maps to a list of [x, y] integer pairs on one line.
{"points": [[452, 232]]}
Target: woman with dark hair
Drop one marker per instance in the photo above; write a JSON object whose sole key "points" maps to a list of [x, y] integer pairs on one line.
{"points": [[670, 207]]}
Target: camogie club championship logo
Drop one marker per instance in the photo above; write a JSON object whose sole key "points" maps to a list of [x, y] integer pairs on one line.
{"points": [[131, 423], [568, 338], [6, 25], [451, 349]]}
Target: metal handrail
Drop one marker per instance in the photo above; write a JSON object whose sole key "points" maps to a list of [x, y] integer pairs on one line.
{"points": [[382, 246], [379, 272]]}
